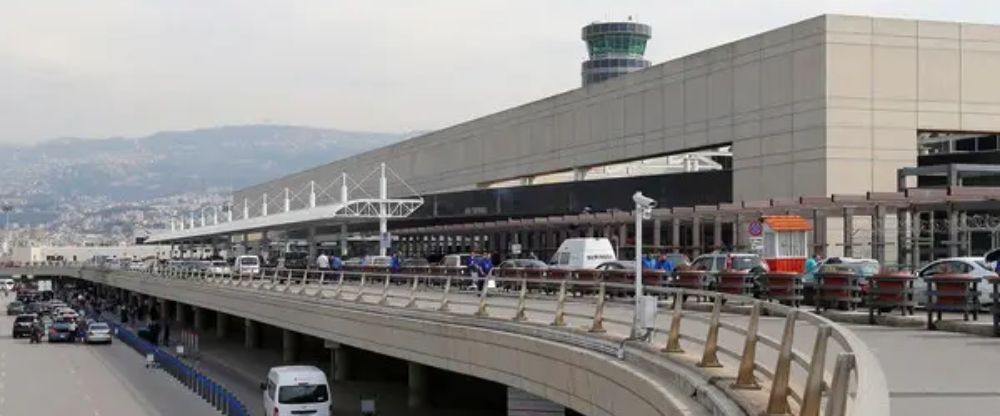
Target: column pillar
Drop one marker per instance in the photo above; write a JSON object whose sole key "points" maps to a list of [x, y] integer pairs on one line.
{"points": [[696, 235], [341, 356], [179, 312], [289, 345], [221, 324], [848, 232], [250, 338], [417, 377], [717, 233], [675, 234], [657, 226], [622, 237], [311, 240], [199, 318], [953, 242]]}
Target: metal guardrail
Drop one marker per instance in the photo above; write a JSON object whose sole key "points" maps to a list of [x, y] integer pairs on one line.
{"points": [[797, 383], [213, 393]]}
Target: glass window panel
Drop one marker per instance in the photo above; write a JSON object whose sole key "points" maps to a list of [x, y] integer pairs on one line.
{"points": [[986, 143], [965, 145]]}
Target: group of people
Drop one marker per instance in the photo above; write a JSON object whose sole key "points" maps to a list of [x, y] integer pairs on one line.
{"points": [[332, 262], [659, 263], [479, 266]]}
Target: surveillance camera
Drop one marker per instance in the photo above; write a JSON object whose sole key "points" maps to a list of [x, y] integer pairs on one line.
{"points": [[643, 201]]}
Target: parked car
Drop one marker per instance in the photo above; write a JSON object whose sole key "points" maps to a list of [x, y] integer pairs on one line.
{"points": [[296, 389], [219, 267], [23, 324], [7, 283], [415, 262], [97, 332], [715, 263], [973, 266], [15, 308], [456, 260]]}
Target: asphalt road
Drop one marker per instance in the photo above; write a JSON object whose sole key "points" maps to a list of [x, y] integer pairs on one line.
{"points": [[77, 379]]}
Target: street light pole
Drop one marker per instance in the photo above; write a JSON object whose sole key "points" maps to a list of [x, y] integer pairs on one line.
{"points": [[643, 209]]}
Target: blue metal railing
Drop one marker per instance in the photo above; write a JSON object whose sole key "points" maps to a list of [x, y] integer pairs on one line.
{"points": [[220, 398]]}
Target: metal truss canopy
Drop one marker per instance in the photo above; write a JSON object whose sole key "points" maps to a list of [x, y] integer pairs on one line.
{"points": [[348, 210]]}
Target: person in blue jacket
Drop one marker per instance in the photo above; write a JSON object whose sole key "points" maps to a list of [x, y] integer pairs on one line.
{"points": [[394, 263], [648, 262], [663, 263]]}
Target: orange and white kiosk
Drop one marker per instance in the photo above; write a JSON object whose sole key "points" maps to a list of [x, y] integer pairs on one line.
{"points": [[786, 242]]}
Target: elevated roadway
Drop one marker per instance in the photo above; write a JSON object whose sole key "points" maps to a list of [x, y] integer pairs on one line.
{"points": [[552, 352]]}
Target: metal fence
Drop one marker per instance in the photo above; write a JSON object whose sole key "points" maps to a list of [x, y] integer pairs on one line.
{"points": [[213, 393]]}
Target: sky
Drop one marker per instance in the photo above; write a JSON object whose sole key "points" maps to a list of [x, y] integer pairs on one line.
{"points": [[104, 68]]}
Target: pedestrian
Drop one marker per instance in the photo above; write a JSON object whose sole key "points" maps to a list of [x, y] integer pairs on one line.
{"points": [[648, 262], [336, 263], [665, 264], [394, 263], [474, 267], [322, 261]]}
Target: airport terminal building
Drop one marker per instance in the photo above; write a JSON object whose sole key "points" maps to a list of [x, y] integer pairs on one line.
{"points": [[827, 106]]}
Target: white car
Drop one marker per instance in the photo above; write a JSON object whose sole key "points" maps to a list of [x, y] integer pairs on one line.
{"points": [[974, 266], [219, 267], [247, 265], [97, 332]]}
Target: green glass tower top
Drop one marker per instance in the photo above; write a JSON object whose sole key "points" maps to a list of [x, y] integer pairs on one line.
{"points": [[615, 49], [624, 39]]}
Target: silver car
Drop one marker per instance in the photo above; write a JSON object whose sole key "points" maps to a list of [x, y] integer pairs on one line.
{"points": [[98, 332], [973, 266]]}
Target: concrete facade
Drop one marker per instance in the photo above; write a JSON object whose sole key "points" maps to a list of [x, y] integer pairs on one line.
{"points": [[85, 253], [827, 105]]}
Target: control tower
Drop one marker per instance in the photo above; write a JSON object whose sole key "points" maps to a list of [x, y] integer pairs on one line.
{"points": [[615, 48]]}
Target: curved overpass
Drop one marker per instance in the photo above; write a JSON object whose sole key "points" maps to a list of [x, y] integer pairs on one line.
{"points": [[552, 353]]}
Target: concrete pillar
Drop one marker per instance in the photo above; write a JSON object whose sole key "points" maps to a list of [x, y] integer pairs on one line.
{"points": [[590, 234], [341, 362], [657, 226], [622, 238], [251, 339], [848, 232], [953, 242], [343, 240], [311, 240], [289, 345], [179, 312], [878, 234], [199, 318], [675, 234], [717, 233], [819, 234], [417, 377], [737, 241], [696, 235], [221, 324]]}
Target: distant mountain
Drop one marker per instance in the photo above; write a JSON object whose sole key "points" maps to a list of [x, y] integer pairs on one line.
{"points": [[125, 169]]}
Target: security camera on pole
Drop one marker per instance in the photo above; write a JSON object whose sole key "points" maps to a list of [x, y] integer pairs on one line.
{"points": [[645, 307]]}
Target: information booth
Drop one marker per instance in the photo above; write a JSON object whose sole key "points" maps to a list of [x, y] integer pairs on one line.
{"points": [[786, 242]]}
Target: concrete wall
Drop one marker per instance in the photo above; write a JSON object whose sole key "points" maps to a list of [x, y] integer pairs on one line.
{"points": [[889, 78], [740, 92], [828, 105]]}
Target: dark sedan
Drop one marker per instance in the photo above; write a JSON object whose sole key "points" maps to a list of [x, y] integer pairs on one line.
{"points": [[62, 332], [22, 325]]}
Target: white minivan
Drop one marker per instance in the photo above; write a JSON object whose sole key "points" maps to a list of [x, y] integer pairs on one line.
{"points": [[296, 390], [247, 266], [7, 284], [583, 253]]}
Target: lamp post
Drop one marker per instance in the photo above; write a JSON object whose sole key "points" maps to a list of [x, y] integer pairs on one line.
{"points": [[643, 210]]}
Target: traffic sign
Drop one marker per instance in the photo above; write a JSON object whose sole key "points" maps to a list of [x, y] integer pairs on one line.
{"points": [[755, 228]]}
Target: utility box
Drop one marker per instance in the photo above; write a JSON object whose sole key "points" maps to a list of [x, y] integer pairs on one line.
{"points": [[648, 307]]}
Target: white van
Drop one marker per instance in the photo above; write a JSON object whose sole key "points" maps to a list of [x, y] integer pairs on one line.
{"points": [[583, 253], [247, 265], [7, 284], [296, 390]]}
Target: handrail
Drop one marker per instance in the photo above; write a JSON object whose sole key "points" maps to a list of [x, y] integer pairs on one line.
{"points": [[561, 300]]}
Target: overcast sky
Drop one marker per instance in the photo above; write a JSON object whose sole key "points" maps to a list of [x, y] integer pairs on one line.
{"points": [[101, 68]]}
